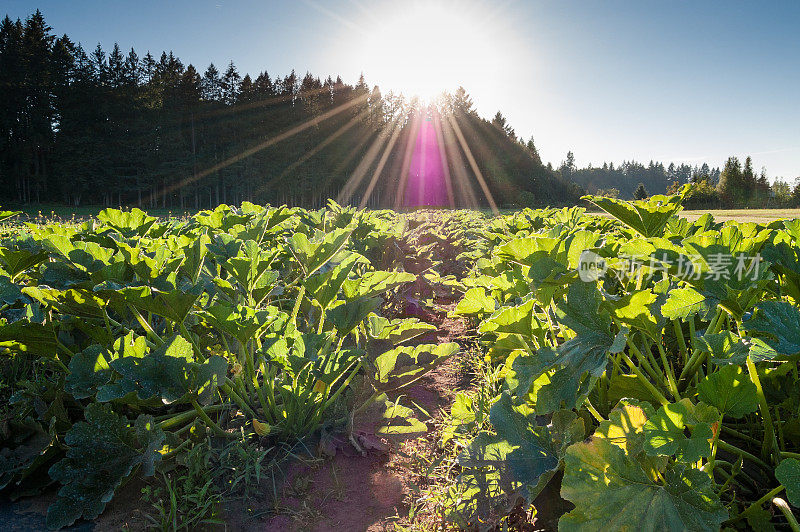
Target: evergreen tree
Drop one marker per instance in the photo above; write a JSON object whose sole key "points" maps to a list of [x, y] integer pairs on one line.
{"points": [[640, 193], [731, 182]]}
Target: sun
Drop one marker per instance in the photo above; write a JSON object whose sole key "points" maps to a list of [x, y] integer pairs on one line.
{"points": [[421, 49]]}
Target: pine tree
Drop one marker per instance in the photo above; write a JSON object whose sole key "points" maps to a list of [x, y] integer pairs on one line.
{"points": [[230, 84], [731, 183], [640, 193], [212, 84]]}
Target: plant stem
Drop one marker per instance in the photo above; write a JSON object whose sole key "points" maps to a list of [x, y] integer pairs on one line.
{"points": [[228, 390], [592, 410], [714, 442], [769, 429], [210, 423], [673, 386], [656, 376], [296, 310], [787, 513], [681, 341], [186, 416], [744, 454], [647, 384], [146, 326], [754, 506]]}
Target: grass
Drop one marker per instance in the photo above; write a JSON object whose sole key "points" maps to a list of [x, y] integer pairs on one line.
{"points": [[55, 211], [52, 212], [745, 215], [739, 215]]}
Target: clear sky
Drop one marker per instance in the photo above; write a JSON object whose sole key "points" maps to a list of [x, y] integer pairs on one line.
{"points": [[611, 81]]}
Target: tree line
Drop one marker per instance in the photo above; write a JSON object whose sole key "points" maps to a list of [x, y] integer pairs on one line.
{"points": [[117, 128]]}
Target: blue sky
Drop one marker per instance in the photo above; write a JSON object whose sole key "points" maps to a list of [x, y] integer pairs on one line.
{"points": [[668, 80]]}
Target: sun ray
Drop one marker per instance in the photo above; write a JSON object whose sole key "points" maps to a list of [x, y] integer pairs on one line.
{"points": [[437, 126], [316, 149], [409, 152], [378, 169], [266, 144], [473, 164], [354, 181], [456, 159]]}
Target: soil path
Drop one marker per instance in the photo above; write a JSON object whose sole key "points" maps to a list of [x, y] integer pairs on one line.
{"points": [[351, 492]]}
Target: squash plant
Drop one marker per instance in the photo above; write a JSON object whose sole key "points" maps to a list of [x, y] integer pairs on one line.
{"points": [[124, 336], [664, 388]]}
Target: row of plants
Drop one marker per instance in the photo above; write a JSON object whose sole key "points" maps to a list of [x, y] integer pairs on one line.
{"points": [[129, 342], [646, 364]]}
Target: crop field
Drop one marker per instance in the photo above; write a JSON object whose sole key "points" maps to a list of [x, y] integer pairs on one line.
{"points": [[279, 368]]}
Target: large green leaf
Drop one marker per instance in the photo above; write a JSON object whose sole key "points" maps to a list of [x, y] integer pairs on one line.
{"points": [[401, 365], [30, 337], [102, 452], [90, 369], [16, 261], [396, 331], [664, 433], [647, 217], [168, 374], [76, 302], [313, 254], [611, 491], [779, 323], [637, 310], [788, 474], [683, 303], [730, 390], [173, 304], [475, 302], [522, 450], [324, 287], [350, 314], [242, 322], [128, 223]]}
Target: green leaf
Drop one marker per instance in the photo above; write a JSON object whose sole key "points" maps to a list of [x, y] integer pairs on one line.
{"points": [[173, 305], [779, 323], [396, 331], [5, 215], [168, 374], [371, 284], [133, 222], [324, 287], [523, 455], [664, 433], [102, 452], [15, 262], [88, 370], [729, 390], [634, 310], [76, 302], [788, 474], [399, 419], [625, 426], [611, 491], [520, 319], [242, 322], [648, 217], [349, 315], [401, 365], [682, 303], [313, 254], [10, 292], [475, 302], [28, 337]]}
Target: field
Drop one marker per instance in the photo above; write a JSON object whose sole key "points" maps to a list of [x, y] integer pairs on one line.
{"points": [[278, 368]]}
